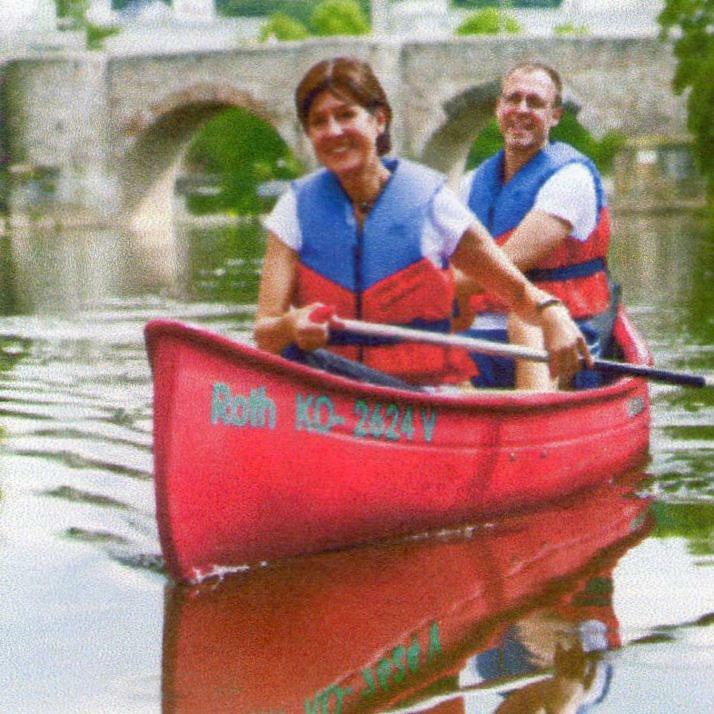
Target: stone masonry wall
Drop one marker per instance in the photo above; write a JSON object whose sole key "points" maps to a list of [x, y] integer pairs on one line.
{"points": [[79, 119]]}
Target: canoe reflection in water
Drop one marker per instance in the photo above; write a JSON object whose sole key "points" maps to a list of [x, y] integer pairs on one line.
{"points": [[520, 608]]}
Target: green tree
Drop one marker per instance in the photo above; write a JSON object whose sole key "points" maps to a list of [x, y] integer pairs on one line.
{"points": [[489, 21], [283, 27], [243, 152], [74, 12], [569, 29], [691, 22], [297, 9], [487, 143], [96, 34], [339, 17], [602, 152]]}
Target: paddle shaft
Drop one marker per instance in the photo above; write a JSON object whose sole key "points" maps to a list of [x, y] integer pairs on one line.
{"points": [[394, 332]]}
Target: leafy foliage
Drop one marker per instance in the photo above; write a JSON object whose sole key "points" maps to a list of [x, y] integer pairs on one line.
{"points": [[489, 21], [242, 151], [73, 10], [282, 27], [328, 18], [569, 29], [75, 13], [300, 10], [691, 23], [602, 152], [487, 143], [339, 17], [96, 34]]}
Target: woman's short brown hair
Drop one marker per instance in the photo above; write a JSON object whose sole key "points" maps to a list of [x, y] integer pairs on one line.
{"points": [[345, 76]]}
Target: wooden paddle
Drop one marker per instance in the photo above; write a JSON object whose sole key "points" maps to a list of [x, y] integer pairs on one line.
{"points": [[394, 332]]}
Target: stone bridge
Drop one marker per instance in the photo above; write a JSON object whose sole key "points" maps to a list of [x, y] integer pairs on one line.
{"points": [[108, 133]]}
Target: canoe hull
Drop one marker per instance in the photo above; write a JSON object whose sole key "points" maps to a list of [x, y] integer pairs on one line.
{"points": [[258, 459], [344, 624]]}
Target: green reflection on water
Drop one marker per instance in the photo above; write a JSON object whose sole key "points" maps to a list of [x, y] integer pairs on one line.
{"points": [[665, 262], [70, 271], [93, 536], [7, 292], [701, 296], [12, 351], [693, 521], [225, 263], [70, 493], [692, 433]]}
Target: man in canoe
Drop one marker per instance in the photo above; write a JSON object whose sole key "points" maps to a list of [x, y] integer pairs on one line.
{"points": [[545, 205], [374, 239]]}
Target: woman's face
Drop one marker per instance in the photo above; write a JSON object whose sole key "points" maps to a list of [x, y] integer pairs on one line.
{"points": [[343, 133]]}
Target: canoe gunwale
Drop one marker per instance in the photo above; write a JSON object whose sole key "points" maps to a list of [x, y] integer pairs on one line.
{"points": [[481, 400]]}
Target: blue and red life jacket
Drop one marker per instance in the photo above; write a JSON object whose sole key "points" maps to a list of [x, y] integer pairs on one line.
{"points": [[575, 271], [378, 272]]}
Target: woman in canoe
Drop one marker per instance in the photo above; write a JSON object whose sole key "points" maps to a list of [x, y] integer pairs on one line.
{"points": [[374, 239]]}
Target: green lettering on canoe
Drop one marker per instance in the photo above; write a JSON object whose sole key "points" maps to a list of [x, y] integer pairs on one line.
{"points": [[428, 420], [434, 644]]}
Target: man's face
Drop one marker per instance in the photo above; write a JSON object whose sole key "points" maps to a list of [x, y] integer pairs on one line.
{"points": [[526, 110]]}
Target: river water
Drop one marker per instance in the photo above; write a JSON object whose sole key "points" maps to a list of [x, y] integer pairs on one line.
{"points": [[602, 603]]}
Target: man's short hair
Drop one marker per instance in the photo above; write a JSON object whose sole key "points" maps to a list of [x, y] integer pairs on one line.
{"points": [[535, 66]]}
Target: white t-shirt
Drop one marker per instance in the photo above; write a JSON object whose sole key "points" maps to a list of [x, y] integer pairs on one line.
{"points": [[568, 194], [445, 224]]}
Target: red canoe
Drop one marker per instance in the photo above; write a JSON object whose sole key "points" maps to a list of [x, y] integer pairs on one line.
{"points": [[365, 629], [258, 458]]}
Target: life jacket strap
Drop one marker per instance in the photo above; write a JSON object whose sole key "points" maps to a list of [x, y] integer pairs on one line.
{"points": [[568, 272]]}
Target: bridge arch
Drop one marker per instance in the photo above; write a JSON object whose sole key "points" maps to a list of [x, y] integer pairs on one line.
{"points": [[464, 117], [157, 139]]}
